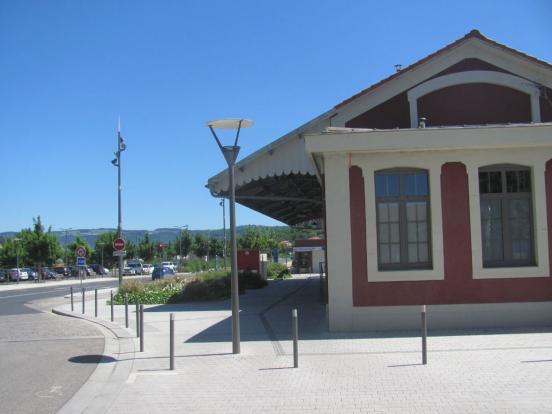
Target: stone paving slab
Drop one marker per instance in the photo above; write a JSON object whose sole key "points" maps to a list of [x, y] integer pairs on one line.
{"points": [[467, 372]]}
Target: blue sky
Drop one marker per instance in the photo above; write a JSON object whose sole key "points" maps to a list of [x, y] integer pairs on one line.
{"points": [[70, 68]]}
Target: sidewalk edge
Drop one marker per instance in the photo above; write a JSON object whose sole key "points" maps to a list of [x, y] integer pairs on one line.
{"points": [[104, 384]]}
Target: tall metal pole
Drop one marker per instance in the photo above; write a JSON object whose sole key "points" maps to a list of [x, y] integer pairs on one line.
{"points": [[17, 258], [231, 154], [234, 280], [224, 232], [121, 146]]}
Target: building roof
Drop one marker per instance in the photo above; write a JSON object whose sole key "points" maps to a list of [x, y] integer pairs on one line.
{"points": [[474, 34], [282, 181]]}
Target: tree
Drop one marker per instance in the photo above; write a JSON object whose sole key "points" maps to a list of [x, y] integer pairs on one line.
{"points": [[104, 244], [8, 253], [184, 241], [215, 247], [199, 246], [146, 249], [36, 247], [41, 248], [72, 247]]}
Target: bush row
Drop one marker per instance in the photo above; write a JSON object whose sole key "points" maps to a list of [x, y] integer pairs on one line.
{"points": [[204, 286]]}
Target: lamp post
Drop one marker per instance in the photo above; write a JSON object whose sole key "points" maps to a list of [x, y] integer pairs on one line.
{"points": [[65, 247], [121, 146], [180, 243], [230, 153], [102, 250], [16, 241], [224, 232]]}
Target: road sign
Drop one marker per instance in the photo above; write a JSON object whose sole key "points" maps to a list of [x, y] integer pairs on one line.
{"points": [[80, 251], [81, 261], [119, 244], [119, 253]]}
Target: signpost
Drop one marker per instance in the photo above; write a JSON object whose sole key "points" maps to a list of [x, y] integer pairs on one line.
{"points": [[119, 250], [80, 252], [119, 244]]}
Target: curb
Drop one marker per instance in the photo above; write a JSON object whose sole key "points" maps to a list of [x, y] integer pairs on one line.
{"points": [[108, 379]]}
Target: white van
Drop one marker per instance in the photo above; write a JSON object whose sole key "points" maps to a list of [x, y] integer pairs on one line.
{"points": [[136, 265], [170, 265]]}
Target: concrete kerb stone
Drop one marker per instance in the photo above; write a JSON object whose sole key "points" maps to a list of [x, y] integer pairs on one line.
{"points": [[108, 379]]}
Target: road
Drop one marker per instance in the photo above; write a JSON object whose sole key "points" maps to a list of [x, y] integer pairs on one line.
{"points": [[37, 347]]}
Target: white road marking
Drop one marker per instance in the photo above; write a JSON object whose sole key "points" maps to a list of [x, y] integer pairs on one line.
{"points": [[55, 390]]}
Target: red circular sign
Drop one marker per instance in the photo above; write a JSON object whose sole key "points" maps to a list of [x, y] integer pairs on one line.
{"points": [[119, 244], [80, 251]]}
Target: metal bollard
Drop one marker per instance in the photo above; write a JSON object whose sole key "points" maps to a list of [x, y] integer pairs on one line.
{"points": [[72, 306], [83, 301], [171, 346], [96, 303], [112, 306], [295, 327], [126, 310], [424, 336], [137, 319], [141, 328]]}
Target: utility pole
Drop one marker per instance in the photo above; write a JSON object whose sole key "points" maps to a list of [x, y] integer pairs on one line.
{"points": [[121, 146]]}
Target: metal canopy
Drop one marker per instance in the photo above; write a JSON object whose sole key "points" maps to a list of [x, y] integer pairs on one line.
{"points": [[291, 198]]}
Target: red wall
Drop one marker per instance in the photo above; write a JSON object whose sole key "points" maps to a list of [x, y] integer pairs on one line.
{"points": [[458, 285]]}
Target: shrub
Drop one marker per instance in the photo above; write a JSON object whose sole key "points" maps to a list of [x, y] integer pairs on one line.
{"points": [[194, 265], [277, 271], [158, 292], [250, 280]]}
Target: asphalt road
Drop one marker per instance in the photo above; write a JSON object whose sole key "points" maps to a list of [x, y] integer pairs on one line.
{"points": [[37, 348]]}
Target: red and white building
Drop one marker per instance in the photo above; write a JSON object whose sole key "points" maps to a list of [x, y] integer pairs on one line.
{"points": [[435, 187]]}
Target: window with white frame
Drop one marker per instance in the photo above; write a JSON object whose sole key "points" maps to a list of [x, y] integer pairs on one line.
{"points": [[403, 211], [506, 216]]}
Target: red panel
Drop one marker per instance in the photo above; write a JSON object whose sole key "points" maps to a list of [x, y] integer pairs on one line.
{"points": [[249, 260], [475, 104], [358, 234], [458, 285]]}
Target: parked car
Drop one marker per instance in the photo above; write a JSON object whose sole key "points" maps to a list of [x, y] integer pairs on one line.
{"points": [[22, 274], [170, 265], [33, 274], [62, 270], [99, 269], [3, 275], [147, 268], [128, 271], [137, 267], [49, 273], [160, 272]]}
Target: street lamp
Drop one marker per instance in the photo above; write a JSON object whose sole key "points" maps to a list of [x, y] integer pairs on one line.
{"points": [[121, 146], [230, 153]]}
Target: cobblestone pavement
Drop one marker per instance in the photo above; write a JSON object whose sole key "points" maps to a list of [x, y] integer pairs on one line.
{"points": [[467, 372]]}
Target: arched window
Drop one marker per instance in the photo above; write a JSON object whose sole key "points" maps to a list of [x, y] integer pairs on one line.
{"points": [[506, 216], [402, 208]]}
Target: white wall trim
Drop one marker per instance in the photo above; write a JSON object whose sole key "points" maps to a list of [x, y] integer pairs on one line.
{"points": [[474, 76]]}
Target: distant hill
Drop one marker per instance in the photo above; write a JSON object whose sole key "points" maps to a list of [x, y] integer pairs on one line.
{"points": [[162, 235]]}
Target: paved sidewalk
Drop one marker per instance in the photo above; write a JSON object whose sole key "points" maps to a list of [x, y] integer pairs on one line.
{"points": [[497, 372]]}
